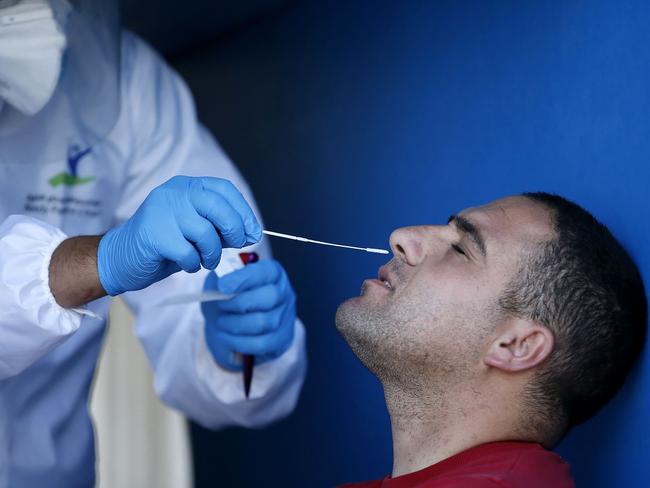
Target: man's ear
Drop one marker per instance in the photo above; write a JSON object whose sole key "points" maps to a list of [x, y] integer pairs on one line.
{"points": [[520, 345]]}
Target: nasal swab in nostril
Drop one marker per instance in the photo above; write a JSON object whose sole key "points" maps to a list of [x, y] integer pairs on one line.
{"points": [[304, 239]]}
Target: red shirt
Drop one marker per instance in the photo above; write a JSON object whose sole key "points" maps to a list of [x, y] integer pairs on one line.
{"points": [[494, 465]]}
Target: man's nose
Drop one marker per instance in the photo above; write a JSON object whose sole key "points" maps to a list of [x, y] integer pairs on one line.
{"points": [[406, 243], [413, 244]]}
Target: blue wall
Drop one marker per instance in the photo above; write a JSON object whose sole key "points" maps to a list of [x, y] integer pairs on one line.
{"points": [[350, 119]]}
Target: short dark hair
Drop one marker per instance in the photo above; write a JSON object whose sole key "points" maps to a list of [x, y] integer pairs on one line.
{"points": [[587, 290]]}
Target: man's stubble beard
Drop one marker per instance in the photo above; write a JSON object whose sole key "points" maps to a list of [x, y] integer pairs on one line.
{"points": [[409, 348], [391, 342]]}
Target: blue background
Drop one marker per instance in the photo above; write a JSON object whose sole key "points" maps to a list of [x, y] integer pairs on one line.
{"points": [[350, 119]]}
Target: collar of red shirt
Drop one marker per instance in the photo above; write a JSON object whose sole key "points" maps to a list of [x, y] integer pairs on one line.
{"points": [[457, 461]]}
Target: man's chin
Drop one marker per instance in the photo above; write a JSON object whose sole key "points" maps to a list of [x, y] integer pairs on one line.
{"points": [[357, 312], [343, 311], [356, 318], [347, 315], [360, 325]]}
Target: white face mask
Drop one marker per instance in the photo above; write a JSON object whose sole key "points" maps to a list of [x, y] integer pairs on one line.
{"points": [[31, 48]]}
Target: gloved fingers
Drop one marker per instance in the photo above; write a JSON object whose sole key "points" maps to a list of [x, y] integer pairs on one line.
{"points": [[217, 210], [252, 276], [250, 324], [272, 344], [175, 248], [225, 357], [211, 281], [262, 299], [226, 189], [285, 341], [233, 362], [210, 310], [202, 234], [226, 348], [169, 268]]}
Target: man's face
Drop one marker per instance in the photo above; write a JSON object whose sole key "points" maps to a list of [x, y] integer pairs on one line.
{"points": [[431, 311]]}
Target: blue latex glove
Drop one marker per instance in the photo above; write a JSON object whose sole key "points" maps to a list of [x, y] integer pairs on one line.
{"points": [[182, 224], [259, 320]]}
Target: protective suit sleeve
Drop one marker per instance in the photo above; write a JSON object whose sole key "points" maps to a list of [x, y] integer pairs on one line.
{"points": [[169, 141], [31, 322]]}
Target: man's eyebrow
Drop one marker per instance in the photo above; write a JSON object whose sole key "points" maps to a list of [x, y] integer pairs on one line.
{"points": [[464, 225]]}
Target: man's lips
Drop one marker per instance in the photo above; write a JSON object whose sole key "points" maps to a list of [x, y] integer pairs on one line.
{"points": [[385, 278]]}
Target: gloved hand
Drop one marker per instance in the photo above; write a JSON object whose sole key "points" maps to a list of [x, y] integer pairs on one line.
{"points": [[182, 224], [259, 320]]}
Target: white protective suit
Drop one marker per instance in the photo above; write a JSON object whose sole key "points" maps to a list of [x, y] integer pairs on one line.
{"points": [[47, 353]]}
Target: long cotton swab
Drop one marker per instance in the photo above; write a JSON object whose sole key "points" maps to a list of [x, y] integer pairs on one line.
{"points": [[213, 295], [304, 239], [206, 296]]}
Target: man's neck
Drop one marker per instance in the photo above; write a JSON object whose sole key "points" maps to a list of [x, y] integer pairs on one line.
{"points": [[430, 428]]}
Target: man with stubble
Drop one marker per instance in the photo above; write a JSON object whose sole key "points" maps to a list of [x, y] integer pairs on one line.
{"points": [[494, 335]]}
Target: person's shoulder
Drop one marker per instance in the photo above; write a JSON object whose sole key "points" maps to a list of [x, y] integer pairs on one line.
{"points": [[362, 484], [461, 481], [137, 54], [151, 91], [537, 467], [493, 465], [510, 465], [133, 43]]}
